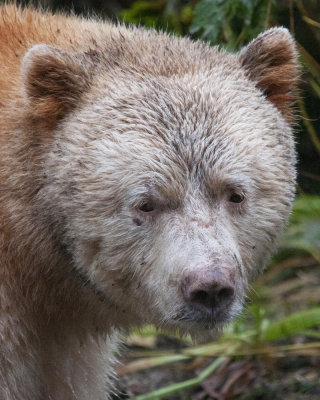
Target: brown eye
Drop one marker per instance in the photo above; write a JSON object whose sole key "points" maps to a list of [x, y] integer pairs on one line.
{"points": [[146, 207], [236, 198]]}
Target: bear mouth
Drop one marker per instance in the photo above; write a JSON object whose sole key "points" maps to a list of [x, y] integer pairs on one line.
{"points": [[209, 319]]}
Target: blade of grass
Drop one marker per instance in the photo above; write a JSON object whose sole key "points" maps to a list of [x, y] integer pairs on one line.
{"points": [[309, 127], [263, 348], [211, 349], [279, 351], [145, 363], [310, 63], [315, 86], [304, 14], [292, 324], [311, 21], [160, 393], [151, 330]]}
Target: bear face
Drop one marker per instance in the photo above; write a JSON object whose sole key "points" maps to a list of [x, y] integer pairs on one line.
{"points": [[167, 183], [145, 178]]}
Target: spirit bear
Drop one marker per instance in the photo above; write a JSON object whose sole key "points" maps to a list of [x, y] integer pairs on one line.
{"points": [[144, 179]]}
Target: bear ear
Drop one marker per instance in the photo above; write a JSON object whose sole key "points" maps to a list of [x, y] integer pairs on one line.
{"points": [[271, 60], [53, 81]]}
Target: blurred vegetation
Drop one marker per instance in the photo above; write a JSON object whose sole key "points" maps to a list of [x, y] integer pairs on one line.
{"points": [[284, 317]]}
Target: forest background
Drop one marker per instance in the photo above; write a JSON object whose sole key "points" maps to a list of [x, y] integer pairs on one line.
{"points": [[273, 351]]}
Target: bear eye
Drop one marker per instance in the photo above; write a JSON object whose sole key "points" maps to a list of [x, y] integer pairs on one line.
{"points": [[236, 198], [146, 207]]}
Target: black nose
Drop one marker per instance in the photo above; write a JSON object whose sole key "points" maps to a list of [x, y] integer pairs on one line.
{"points": [[209, 288]]}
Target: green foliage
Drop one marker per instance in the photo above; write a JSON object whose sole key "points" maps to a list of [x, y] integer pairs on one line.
{"points": [[230, 22], [162, 393], [303, 233], [227, 22], [160, 14], [253, 340], [292, 324]]}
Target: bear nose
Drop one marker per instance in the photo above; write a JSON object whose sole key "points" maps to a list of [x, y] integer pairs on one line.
{"points": [[207, 289]]}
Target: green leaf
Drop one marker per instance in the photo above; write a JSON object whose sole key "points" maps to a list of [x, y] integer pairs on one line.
{"points": [[292, 324], [303, 232]]}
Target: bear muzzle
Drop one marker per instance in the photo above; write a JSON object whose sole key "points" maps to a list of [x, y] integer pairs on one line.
{"points": [[209, 290]]}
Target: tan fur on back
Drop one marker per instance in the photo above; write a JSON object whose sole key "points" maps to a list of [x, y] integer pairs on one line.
{"points": [[133, 167]]}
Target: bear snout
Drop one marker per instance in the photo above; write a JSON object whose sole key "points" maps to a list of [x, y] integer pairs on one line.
{"points": [[210, 290]]}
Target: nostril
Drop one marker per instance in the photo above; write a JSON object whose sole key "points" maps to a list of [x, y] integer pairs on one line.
{"points": [[209, 290], [200, 296], [225, 294], [214, 296]]}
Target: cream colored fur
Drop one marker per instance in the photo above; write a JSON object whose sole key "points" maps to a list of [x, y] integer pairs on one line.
{"points": [[97, 120]]}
